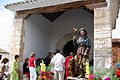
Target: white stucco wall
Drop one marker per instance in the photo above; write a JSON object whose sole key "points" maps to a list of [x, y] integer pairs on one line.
{"points": [[42, 36], [65, 23], [37, 36]]}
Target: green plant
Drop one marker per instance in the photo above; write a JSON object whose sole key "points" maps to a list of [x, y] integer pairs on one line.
{"points": [[98, 75], [110, 73]]}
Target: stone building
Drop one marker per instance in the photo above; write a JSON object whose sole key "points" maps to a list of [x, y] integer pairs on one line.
{"points": [[44, 25], [4, 54], [116, 51]]}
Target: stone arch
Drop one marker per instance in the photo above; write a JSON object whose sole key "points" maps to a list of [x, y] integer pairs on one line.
{"points": [[63, 40]]}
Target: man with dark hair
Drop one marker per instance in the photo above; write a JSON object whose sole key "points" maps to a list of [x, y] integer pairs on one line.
{"points": [[47, 59], [58, 64], [57, 51]]}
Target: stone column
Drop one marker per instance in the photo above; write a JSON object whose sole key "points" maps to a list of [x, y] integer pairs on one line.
{"points": [[17, 44], [102, 39]]}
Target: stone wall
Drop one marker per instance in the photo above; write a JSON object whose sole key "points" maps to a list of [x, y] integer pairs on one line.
{"points": [[102, 39], [17, 44]]}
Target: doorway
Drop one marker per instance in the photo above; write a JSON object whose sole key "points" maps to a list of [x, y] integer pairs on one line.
{"points": [[69, 47]]}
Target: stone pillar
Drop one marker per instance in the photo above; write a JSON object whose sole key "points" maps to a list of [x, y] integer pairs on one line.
{"points": [[17, 44], [102, 39]]}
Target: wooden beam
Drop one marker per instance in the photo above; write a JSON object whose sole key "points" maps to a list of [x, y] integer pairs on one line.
{"points": [[56, 16], [97, 5], [60, 7], [88, 10]]}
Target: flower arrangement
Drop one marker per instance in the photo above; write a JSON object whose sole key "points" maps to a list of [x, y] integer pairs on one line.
{"points": [[45, 73], [107, 79], [87, 69], [43, 67], [91, 77]]}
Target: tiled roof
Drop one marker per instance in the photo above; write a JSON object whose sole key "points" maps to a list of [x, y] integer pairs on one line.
{"points": [[3, 51], [116, 40], [31, 4]]}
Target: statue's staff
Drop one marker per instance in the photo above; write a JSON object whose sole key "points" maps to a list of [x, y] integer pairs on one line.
{"points": [[74, 38]]}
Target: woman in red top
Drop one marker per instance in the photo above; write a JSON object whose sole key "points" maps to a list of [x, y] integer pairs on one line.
{"points": [[67, 63], [32, 66]]}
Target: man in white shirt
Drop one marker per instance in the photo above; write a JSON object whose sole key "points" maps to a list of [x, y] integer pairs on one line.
{"points": [[58, 64]]}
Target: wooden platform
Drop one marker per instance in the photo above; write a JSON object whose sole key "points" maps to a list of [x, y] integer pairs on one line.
{"points": [[75, 78]]}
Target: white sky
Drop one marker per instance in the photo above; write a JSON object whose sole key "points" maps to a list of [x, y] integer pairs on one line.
{"points": [[6, 22]]}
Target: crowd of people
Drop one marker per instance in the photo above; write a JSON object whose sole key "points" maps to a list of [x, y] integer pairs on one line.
{"points": [[56, 60], [61, 66]]}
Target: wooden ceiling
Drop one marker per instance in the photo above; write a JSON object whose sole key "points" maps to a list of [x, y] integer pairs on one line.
{"points": [[52, 16]]}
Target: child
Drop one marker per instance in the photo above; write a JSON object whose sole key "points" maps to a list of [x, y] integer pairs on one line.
{"points": [[26, 68], [15, 72], [4, 69]]}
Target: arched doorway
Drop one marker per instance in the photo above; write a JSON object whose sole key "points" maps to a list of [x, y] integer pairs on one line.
{"points": [[63, 40], [69, 47]]}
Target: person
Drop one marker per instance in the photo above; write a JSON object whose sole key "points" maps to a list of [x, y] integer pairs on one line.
{"points": [[58, 64], [38, 67], [67, 63], [32, 66], [47, 59], [84, 45], [4, 68], [0, 58], [26, 68], [53, 54], [15, 69]]}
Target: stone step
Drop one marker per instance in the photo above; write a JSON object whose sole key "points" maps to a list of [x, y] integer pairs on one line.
{"points": [[75, 78]]}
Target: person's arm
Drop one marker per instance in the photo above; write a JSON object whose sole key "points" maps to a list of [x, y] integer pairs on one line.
{"points": [[52, 63], [26, 65], [63, 62], [88, 45], [3, 67], [29, 64], [35, 63]]}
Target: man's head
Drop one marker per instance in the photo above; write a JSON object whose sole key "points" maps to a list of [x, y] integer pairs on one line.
{"points": [[17, 57], [57, 51]]}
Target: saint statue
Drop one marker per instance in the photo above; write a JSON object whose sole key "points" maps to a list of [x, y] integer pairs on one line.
{"points": [[84, 44]]}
